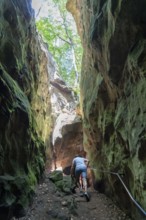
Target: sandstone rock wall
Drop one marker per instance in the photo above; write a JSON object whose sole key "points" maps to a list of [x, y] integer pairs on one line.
{"points": [[67, 140], [24, 106], [67, 134], [113, 94]]}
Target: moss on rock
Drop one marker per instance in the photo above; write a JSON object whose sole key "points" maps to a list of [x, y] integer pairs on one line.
{"points": [[24, 114], [63, 183], [113, 94]]}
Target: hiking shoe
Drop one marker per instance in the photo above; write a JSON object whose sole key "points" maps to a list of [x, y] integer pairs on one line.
{"points": [[81, 194], [87, 196]]}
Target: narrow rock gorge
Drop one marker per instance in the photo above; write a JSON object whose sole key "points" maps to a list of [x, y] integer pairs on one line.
{"points": [[113, 94], [40, 123], [67, 135], [33, 97]]}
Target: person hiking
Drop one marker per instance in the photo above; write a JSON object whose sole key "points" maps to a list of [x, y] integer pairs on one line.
{"points": [[79, 170]]}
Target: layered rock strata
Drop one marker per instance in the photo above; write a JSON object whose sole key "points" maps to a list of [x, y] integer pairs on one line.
{"points": [[113, 94]]}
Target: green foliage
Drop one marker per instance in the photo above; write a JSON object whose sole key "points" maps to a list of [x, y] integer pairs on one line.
{"points": [[59, 32]]}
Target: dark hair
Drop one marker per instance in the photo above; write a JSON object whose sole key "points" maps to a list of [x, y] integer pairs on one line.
{"points": [[78, 155]]}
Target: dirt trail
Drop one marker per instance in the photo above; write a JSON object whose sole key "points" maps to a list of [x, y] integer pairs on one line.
{"points": [[50, 204]]}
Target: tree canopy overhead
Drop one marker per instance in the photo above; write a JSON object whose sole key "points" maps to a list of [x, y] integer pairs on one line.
{"points": [[59, 32]]}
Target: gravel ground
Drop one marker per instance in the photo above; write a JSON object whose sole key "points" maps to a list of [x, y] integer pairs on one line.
{"points": [[50, 204]]}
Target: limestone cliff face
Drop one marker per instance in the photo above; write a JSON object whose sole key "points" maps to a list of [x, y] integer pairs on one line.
{"points": [[24, 106], [113, 93]]}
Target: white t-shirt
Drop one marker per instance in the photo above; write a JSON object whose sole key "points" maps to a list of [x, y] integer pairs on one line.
{"points": [[79, 162]]}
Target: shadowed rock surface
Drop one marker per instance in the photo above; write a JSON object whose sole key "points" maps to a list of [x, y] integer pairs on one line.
{"points": [[25, 107], [113, 93]]}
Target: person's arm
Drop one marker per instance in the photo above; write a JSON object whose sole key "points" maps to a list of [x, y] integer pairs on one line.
{"points": [[86, 162]]}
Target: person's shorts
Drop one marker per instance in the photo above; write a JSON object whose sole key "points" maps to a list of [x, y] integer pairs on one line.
{"points": [[81, 171]]}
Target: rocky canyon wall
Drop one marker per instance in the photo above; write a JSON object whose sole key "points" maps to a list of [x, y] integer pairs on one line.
{"points": [[113, 93], [67, 135], [24, 106]]}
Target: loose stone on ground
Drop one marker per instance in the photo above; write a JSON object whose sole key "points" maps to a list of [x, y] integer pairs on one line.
{"points": [[50, 203]]}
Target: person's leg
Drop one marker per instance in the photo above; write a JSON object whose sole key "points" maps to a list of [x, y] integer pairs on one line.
{"points": [[84, 178], [77, 176], [79, 181]]}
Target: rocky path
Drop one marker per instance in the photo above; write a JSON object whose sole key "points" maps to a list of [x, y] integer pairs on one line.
{"points": [[50, 204]]}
